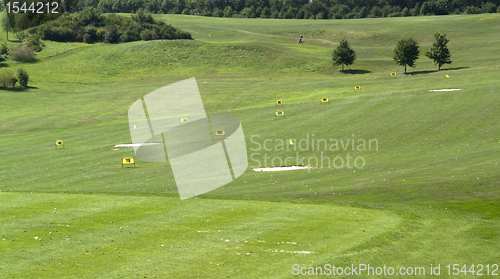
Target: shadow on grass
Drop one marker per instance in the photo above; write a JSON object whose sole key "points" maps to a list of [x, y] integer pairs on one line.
{"points": [[355, 72], [435, 71], [421, 72], [17, 89], [456, 68]]}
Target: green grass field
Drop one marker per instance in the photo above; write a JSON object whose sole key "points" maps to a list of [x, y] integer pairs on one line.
{"points": [[430, 193]]}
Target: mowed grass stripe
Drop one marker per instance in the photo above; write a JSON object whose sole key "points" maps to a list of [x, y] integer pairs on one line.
{"points": [[160, 221]]}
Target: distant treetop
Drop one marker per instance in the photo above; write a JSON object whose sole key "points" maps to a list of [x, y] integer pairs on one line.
{"points": [[299, 9]]}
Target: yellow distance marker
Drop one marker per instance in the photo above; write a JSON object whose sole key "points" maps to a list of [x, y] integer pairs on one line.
{"points": [[128, 161], [290, 142], [447, 76], [393, 74], [357, 87], [324, 100], [220, 132], [184, 120], [279, 103], [59, 143], [280, 113]]}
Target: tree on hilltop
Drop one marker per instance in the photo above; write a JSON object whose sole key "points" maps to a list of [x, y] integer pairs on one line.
{"points": [[343, 54], [406, 53], [440, 54], [5, 23]]}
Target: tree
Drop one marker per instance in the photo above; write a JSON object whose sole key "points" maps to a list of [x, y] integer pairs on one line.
{"points": [[406, 53], [5, 24], [343, 54], [440, 54]]}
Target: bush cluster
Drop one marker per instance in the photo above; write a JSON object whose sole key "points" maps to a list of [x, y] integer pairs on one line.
{"points": [[90, 26], [8, 78]]}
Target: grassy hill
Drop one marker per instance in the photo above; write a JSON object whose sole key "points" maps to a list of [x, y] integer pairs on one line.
{"points": [[428, 195]]}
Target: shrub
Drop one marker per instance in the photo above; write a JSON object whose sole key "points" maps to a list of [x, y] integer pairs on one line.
{"points": [[130, 36], [23, 53], [34, 43], [21, 35], [4, 49], [101, 33], [472, 10], [488, 7], [112, 35], [6, 78], [13, 81], [90, 35], [59, 34], [228, 12], [148, 34], [142, 17], [22, 77]]}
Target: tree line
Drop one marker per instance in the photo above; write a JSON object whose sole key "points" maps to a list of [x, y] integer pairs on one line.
{"points": [[406, 52], [299, 9]]}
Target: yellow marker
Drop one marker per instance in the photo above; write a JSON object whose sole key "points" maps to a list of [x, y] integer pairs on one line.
{"points": [[128, 161], [393, 74], [324, 100], [184, 120], [291, 142], [220, 132], [59, 142], [209, 35], [279, 102], [280, 113], [134, 127], [447, 76], [357, 87]]}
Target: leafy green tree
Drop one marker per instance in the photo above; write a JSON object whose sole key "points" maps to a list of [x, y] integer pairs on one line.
{"points": [[5, 24], [343, 54], [406, 53], [440, 54]]}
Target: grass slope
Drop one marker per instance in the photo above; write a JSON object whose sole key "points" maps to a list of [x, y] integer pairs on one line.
{"points": [[428, 195]]}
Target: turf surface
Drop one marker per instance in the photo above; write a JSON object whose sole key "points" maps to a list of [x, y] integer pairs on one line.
{"points": [[428, 194]]}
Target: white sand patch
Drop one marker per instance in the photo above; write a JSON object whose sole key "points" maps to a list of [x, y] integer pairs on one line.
{"points": [[285, 168], [136, 144], [440, 90]]}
